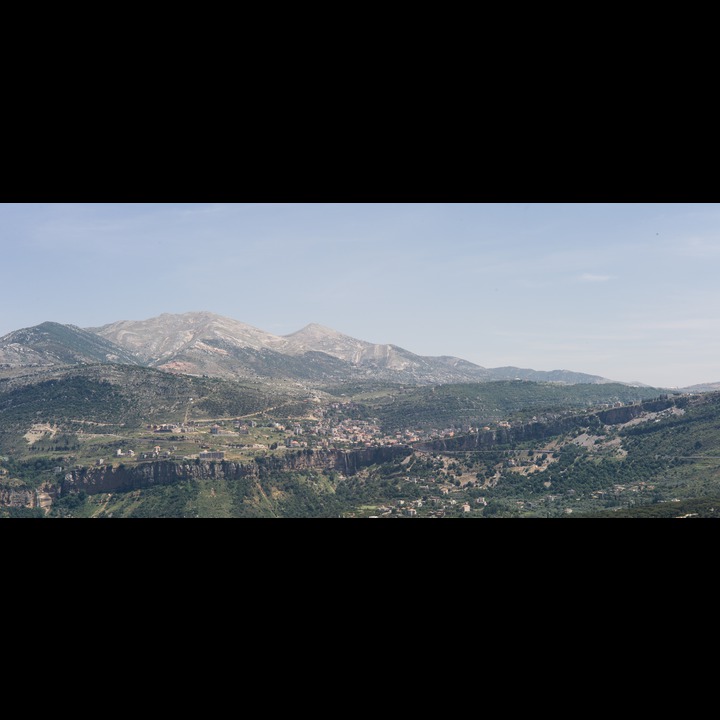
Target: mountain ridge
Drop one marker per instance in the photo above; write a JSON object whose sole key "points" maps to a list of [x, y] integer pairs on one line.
{"points": [[205, 343], [51, 343], [228, 348]]}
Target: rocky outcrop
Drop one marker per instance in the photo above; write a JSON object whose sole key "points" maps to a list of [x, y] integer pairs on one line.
{"points": [[501, 436], [45, 496], [543, 430], [105, 479], [16, 494], [347, 462]]}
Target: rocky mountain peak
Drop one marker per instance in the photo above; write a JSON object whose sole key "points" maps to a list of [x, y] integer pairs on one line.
{"points": [[205, 343], [314, 330], [52, 343]]}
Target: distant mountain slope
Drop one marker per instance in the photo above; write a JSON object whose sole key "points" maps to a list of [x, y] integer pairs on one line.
{"points": [[51, 343], [566, 377], [432, 369], [203, 343], [316, 338], [124, 395], [207, 344], [476, 404], [703, 388], [161, 339], [381, 362]]}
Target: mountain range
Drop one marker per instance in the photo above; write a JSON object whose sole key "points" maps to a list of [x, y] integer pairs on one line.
{"points": [[206, 344]]}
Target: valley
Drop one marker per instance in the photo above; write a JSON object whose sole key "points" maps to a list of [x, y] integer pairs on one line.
{"points": [[200, 416], [340, 457]]}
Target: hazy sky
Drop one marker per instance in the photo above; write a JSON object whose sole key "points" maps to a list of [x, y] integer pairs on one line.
{"points": [[628, 291]]}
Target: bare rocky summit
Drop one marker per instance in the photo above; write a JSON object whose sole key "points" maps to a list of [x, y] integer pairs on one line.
{"points": [[203, 343], [159, 339], [50, 344]]}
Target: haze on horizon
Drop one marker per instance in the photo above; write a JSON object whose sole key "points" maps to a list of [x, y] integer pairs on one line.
{"points": [[622, 290]]}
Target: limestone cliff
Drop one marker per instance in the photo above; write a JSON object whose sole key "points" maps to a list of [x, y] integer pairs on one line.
{"points": [[106, 479], [14, 493], [543, 430]]}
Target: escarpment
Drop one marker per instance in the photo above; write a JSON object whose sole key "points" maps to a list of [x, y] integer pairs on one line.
{"points": [[124, 478], [541, 430], [16, 494]]}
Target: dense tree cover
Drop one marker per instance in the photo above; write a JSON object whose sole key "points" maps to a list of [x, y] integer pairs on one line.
{"points": [[64, 442], [359, 389], [13, 512], [33, 471], [303, 496], [56, 401], [639, 466], [479, 403], [272, 494], [708, 507], [169, 501], [124, 396], [66, 505]]}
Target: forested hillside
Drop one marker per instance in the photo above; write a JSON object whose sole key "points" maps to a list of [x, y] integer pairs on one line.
{"points": [[480, 403]]}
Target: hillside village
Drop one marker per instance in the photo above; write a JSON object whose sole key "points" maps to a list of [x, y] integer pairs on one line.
{"points": [[426, 484], [359, 360], [333, 427], [238, 438]]}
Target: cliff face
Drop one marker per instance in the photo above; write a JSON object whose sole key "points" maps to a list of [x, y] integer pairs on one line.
{"points": [[105, 479], [346, 462], [540, 430], [502, 436], [17, 495]]}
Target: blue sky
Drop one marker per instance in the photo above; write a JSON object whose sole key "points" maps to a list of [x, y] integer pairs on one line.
{"points": [[628, 291]]}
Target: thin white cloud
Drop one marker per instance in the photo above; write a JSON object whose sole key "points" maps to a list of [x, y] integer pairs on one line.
{"points": [[592, 278], [699, 246], [702, 324]]}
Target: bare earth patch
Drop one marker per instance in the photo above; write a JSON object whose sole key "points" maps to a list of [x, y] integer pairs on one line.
{"points": [[39, 431]]}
